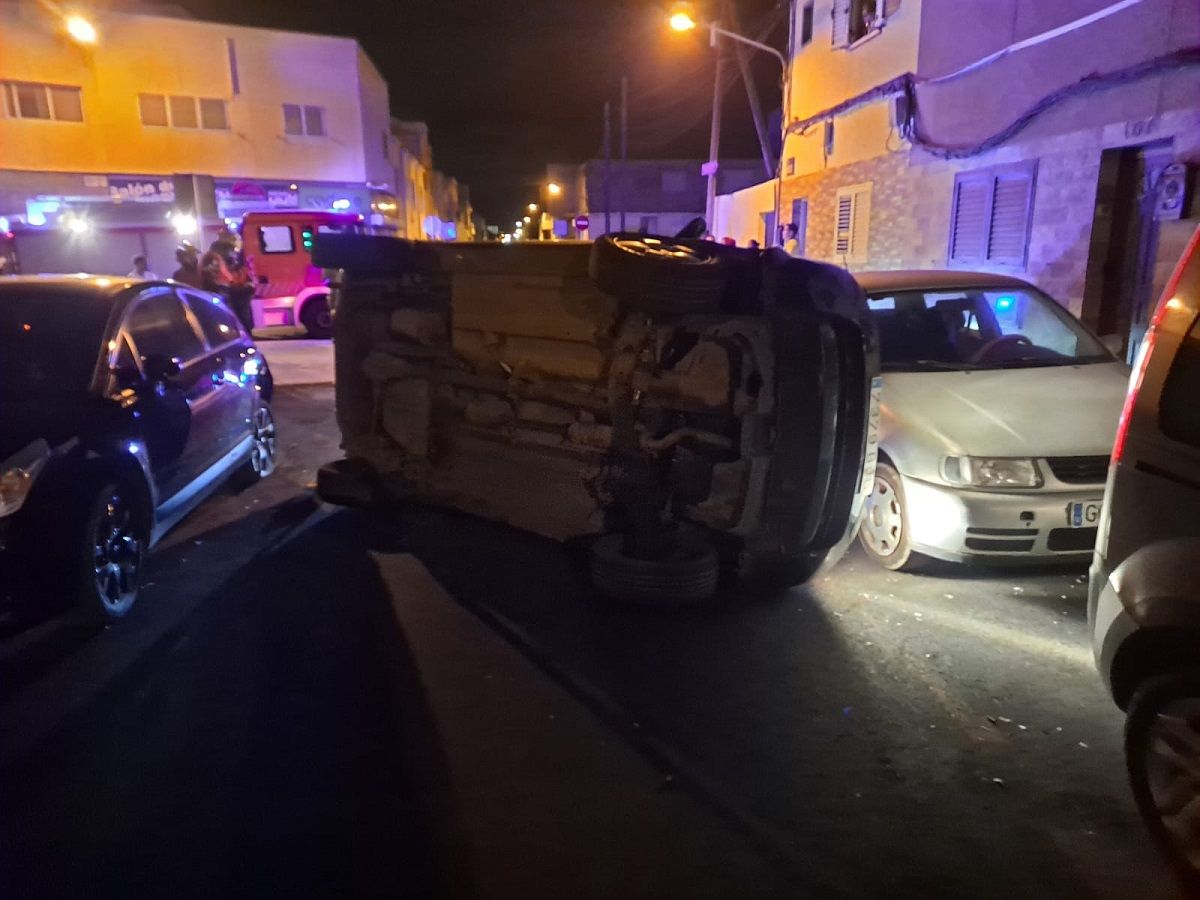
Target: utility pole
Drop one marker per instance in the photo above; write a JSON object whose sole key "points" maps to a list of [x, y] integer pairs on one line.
{"points": [[714, 139], [624, 135], [760, 124], [607, 166]]}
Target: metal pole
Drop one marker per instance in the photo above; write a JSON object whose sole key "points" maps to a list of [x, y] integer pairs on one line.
{"points": [[714, 139], [624, 134], [760, 125], [607, 166]]}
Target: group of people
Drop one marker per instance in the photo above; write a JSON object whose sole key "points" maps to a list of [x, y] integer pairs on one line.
{"points": [[223, 269], [789, 240]]}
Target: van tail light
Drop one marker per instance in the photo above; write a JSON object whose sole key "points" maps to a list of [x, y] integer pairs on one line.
{"points": [[1135, 387]]}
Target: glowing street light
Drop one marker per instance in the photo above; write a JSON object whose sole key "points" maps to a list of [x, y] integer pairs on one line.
{"points": [[528, 220], [532, 207], [81, 29], [553, 189], [682, 17]]}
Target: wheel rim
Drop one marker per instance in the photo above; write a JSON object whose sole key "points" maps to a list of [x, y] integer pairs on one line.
{"points": [[883, 519], [657, 249], [1172, 763], [116, 555], [262, 454]]}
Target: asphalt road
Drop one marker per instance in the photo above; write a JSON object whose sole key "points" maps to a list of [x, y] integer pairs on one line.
{"points": [[311, 702]]}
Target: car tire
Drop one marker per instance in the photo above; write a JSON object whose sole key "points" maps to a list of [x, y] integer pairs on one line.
{"points": [[688, 576], [1162, 740], [317, 317], [773, 573], [113, 546], [264, 450], [884, 532], [659, 276]]}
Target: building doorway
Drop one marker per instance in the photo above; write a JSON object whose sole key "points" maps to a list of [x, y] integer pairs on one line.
{"points": [[1118, 296]]}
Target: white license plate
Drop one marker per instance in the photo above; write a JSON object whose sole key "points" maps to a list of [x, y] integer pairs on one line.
{"points": [[1085, 514]]}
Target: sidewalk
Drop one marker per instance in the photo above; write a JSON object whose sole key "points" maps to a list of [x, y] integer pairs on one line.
{"points": [[547, 801]]}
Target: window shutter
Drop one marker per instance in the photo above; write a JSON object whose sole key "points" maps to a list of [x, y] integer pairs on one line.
{"points": [[1009, 225], [841, 23], [860, 225], [969, 225], [845, 219]]}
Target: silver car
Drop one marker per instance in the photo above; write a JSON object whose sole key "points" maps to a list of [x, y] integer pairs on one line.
{"points": [[998, 416]]}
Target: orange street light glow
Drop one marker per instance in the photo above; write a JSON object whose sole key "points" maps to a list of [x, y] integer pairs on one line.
{"points": [[553, 189], [81, 29]]}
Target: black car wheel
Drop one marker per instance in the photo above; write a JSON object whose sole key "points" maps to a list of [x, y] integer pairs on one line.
{"points": [[317, 318], [659, 276], [115, 541], [1162, 752], [688, 575]]}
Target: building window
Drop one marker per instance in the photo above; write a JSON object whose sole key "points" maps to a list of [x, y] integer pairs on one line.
{"points": [[209, 113], [991, 215], [303, 120], [54, 102], [790, 168], [806, 24], [800, 220], [853, 20], [852, 228]]}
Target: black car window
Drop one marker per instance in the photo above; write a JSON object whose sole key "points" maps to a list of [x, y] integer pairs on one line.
{"points": [[158, 326], [219, 325], [1179, 408], [50, 339]]}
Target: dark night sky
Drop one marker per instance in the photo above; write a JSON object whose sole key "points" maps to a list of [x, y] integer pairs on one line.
{"points": [[507, 87]]}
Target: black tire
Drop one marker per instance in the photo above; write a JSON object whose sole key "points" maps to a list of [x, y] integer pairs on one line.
{"points": [[774, 573], [1165, 712], [659, 276], [689, 576], [884, 532], [317, 317], [113, 543]]}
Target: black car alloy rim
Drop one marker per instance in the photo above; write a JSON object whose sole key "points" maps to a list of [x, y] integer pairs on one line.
{"points": [[262, 455], [116, 554]]}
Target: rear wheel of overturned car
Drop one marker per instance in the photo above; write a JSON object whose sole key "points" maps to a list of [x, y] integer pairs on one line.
{"points": [[659, 276], [115, 539], [264, 448], [317, 317], [884, 532], [688, 575], [1162, 753]]}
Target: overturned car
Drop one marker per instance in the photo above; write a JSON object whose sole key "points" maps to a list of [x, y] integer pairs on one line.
{"points": [[700, 411]]}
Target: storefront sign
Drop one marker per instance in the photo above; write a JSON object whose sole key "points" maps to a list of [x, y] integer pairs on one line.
{"points": [[142, 190]]}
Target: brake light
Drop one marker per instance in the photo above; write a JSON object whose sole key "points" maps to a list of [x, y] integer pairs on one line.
{"points": [[1135, 386]]}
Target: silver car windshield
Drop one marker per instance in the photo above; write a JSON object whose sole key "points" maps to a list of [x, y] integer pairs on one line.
{"points": [[978, 328]]}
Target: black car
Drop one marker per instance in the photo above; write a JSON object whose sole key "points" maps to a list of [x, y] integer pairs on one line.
{"points": [[123, 404]]}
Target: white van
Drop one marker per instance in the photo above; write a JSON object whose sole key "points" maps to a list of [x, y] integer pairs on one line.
{"points": [[1144, 595]]}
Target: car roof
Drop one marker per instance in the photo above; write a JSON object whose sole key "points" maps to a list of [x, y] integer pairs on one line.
{"points": [[933, 279], [109, 286]]}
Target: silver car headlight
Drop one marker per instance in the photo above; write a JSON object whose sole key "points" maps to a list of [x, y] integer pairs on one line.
{"points": [[17, 474], [976, 471]]}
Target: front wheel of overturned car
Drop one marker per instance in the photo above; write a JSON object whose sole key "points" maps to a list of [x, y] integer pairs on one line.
{"points": [[1162, 753], [659, 276], [263, 449], [317, 317], [884, 531], [688, 575], [115, 539]]}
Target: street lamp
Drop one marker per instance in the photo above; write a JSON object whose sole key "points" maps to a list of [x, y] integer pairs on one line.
{"points": [[81, 29], [532, 207], [553, 189], [683, 18]]}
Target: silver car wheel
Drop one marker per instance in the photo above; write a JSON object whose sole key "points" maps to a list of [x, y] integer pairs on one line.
{"points": [[1172, 768], [883, 519], [263, 453], [116, 556]]}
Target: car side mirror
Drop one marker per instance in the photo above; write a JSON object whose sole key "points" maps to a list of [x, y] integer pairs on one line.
{"points": [[160, 369], [1113, 343]]}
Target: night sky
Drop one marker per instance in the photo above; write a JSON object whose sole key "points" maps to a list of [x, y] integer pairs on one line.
{"points": [[507, 87]]}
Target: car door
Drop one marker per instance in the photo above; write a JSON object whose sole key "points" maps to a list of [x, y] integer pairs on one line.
{"points": [[179, 410], [226, 347]]}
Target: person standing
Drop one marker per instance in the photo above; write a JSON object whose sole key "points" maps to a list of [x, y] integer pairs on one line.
{"points": [[188, 272], [791, 240], [141, 269]]}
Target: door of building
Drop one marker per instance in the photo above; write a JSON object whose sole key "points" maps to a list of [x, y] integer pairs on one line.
{"points": [[1119, 284]]}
